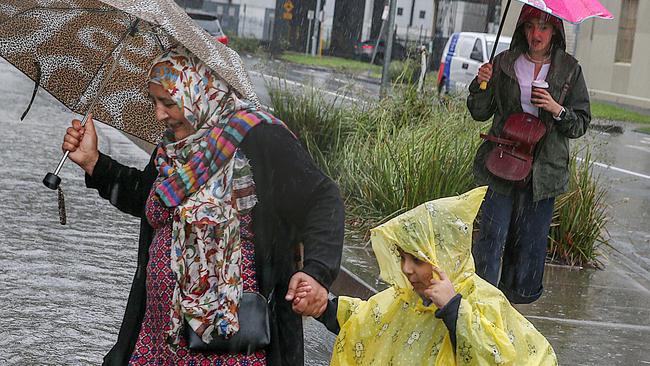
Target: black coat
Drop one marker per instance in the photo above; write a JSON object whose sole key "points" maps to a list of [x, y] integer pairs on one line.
{"points": [[296, 203]]}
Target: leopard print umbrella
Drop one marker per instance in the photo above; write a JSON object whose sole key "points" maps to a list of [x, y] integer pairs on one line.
{"points": [[69, 46]]}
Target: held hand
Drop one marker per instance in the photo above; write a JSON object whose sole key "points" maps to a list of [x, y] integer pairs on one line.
{"points": [[542, 99], [441, 290], [81, 142], [484, 73], [307, 296], [302, 290]]}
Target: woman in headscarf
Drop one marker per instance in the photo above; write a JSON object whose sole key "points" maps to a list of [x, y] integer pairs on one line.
{"points": [[226, 198], [516, 216], [437, 310]]}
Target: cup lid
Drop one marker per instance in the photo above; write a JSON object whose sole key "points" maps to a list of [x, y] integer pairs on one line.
{"points": [[540, 84]]}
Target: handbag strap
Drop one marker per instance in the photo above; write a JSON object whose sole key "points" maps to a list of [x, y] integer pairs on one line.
{"points": [[567, 85]]}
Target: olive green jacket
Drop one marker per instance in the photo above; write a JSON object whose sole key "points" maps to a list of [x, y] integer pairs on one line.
{"points": [[550, 173]]}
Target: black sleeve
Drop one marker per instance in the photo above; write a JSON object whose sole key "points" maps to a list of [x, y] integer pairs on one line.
{"points": [[126, 188], [482, 103], [302, 196], [328, 318], [449, 315]]}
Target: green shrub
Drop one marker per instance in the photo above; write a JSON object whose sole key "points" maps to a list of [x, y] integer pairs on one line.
{"points": [[579, 219], [409, 156], [244, 45], [406, 71], [319, 124]]}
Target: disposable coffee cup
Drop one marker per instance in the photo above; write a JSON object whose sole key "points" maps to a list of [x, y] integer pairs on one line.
{"points": [[538, 84]]}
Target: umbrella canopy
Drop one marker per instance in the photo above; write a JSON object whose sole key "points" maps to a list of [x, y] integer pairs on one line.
{"points": [[572, 11], [68, 47]]}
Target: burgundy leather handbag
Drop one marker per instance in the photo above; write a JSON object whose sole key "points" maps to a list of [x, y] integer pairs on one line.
{"points": [[512, 156]]}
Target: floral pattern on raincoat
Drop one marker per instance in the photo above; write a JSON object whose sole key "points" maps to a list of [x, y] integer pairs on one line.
{"points": [[395, 327]]}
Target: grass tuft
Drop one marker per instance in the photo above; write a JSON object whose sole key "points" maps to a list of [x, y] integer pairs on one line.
{"points": [[578, 228]]}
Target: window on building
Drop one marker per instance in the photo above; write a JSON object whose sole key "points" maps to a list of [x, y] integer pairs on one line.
{"points": [[626, 29], [400, 11], [422, 14]]}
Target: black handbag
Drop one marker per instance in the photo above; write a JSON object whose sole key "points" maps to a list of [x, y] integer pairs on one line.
{"points": [[254, 330]]}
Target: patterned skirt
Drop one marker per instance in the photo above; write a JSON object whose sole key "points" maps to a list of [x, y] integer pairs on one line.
{"points": [[150, 347]]}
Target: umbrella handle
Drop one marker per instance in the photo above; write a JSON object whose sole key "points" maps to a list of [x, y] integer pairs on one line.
{"points": [[483, 85], [52, 180]]}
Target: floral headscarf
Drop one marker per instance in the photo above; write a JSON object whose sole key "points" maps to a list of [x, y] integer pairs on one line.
{"points": [[198, 177], [395, 327]]}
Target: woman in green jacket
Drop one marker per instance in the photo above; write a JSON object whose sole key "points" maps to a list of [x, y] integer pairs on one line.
{"points": [[516, 217]]}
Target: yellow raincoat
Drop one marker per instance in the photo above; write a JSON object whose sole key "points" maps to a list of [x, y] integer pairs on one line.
{"points": [[394, 327]]}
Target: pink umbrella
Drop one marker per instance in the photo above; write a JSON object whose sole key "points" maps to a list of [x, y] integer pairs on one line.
{"points": [[572, 11]]}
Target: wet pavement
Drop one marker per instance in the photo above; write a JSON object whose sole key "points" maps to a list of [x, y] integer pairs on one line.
{"points": [[65, 287]]}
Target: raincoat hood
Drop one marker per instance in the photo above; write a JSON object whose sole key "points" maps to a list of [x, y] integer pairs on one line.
{"points": [[438, 232], [528, 13]]}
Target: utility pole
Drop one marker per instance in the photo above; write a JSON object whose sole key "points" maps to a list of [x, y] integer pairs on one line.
{"points": [[315, 35], [388, 51], [436, 4], [384, 19], [310, 16]]}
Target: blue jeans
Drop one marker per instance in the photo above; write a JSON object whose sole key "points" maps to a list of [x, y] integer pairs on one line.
{"points": [[513, 235]]}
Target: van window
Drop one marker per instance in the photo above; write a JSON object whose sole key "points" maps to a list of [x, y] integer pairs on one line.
{"points": [[477, 51]]}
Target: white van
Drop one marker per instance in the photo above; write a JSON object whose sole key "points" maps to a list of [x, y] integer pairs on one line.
{"points": [[464, 53]]}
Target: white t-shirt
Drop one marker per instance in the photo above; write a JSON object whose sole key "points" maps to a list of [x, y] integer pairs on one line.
{"points": [[525, 71]]}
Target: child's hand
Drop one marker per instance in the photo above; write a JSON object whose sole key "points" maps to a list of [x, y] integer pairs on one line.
{"points": [[441, 290], [301, 291]]}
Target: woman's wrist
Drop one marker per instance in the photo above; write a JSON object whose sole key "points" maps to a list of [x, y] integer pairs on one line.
{"points": [[89, 166]]}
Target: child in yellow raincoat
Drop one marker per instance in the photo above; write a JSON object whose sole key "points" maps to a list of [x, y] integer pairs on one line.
{"points": [[438, 311]]}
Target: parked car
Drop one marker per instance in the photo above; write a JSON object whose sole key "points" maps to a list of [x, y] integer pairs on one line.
{"points": [[364, 50], [464, 53], [210, 23]]}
